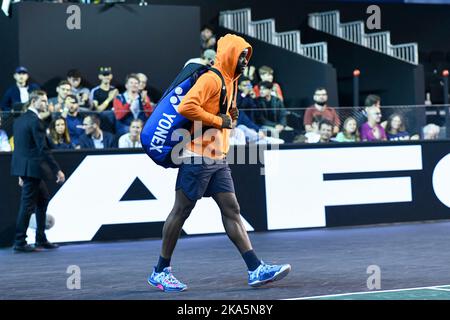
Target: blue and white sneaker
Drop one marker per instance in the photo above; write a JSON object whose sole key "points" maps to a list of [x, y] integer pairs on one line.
{"points": [[166, 281], [267, 273]]}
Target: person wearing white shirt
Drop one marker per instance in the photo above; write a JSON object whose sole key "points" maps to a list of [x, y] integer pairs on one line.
{"points": [[132, 139]]}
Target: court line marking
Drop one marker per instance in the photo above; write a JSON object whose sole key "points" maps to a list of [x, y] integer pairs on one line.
{"points": [[372, 292], [441, 289]]}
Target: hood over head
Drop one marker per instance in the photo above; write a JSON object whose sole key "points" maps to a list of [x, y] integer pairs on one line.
{"points": [[229, 48]]}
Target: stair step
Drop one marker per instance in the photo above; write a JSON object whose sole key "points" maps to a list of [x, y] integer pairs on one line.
{"points": [[330, 22], [240, 21]]}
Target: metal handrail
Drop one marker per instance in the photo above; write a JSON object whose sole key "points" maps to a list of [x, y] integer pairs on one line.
{"points": [[329, 22], [289, 40], [264, 30]]}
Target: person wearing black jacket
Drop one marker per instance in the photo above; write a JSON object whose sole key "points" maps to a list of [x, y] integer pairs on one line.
{"points": [[31, 161], [272, 113], [18, 94], [93, 137]]}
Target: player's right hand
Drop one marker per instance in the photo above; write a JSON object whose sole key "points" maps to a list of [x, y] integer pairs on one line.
{"points": [[226, 121]]}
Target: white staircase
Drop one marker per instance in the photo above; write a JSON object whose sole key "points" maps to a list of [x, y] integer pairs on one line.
{"points": [[264, 30], [330, 22]]}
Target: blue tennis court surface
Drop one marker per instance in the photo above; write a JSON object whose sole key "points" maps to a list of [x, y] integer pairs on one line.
{"points": [[330, 263]]}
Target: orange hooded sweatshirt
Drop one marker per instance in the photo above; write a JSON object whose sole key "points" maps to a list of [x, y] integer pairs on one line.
{"points": [[202, 102]]}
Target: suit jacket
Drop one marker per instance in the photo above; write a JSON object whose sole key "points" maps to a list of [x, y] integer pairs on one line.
{"points": [[31, 156], [87, 143]]}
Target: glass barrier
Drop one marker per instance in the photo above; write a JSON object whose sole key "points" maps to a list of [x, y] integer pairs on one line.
{"points": [[254, 125]]}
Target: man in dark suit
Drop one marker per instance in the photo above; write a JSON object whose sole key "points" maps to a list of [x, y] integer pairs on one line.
{"points": [[31, 162], [94, 137]]}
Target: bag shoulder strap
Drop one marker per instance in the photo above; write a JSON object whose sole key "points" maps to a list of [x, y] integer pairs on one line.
{"points": [[192, 70], [223, 92]]}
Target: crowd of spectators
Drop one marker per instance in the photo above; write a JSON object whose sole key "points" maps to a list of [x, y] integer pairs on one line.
{"points": [[363, 125], [83, 118], [104, 117], [260, 100]]}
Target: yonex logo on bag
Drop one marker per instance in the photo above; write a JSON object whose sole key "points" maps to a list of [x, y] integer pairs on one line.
{"points": [[166, 126], [175, 100], [160, 136]]}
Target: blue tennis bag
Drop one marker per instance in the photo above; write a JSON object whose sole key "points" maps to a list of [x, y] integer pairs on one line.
{"points": [[156, 136]]}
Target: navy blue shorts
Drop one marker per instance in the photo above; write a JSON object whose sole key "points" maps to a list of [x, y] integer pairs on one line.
{"points": [[204, 180]]}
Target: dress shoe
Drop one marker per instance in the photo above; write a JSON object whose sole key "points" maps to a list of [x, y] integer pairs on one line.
{"points": [[46, 245]]}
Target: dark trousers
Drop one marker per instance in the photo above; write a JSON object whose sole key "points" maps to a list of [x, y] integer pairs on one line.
{"points": [[35, 198]]}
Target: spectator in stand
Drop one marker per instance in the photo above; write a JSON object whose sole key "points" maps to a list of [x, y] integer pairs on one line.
{"points": [[321, 108], [102, 96], [325, 131], [372, 130], [82, 93], [349, 131], [431, 131], [4, 143], [272, 113], [56, 104], [396, 130], [250, 73], [246, 131], [207, 58], [59, 135], [74, 120], [246, 104], [132, 139], [245, 100], [266, 75], [372, 100], [207, 38], [94, 137], [17, 95], [101, 99], [143, 88], [316, 135], [313, 136], [130, 105]]}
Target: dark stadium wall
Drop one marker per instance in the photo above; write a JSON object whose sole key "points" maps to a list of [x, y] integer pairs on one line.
{"points": [[298, 76], [128, 38], [9, 54]]}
